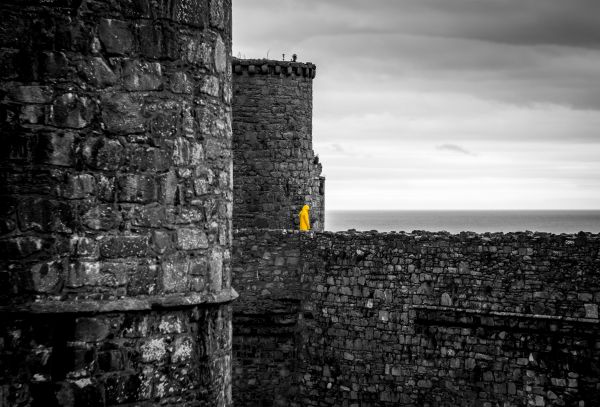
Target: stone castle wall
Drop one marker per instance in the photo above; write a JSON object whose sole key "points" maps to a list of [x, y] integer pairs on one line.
{"points": [[116, 197], [388, 319], [276, 170]]}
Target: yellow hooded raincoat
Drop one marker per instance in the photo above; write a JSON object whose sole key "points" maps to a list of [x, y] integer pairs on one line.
{"points": [[304, 218]]}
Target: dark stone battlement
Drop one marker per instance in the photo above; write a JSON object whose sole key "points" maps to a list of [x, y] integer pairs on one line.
{"points": [[276, 170], [273, 67]]}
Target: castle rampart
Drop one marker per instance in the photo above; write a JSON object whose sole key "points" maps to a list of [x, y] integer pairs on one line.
{"points": [[116, 197], [389, 319], [276, 170]]}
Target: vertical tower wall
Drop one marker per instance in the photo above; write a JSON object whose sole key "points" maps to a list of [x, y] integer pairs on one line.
{"points": [[275, 169], [116, 202]]}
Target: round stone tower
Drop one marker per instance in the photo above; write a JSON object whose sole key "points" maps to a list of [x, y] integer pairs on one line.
{"points": [[275, 169], [116, 203]]}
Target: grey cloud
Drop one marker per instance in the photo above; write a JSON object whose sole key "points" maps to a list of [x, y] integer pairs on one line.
{"points": [[562, 22], [338, 148], [516, 51], [520, 75], [513, 80], [454, 148]]}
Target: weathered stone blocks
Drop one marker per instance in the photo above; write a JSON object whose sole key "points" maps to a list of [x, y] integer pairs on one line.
{"points": [[115, 36], [387, 319], [276, 170], [153, 359], [121, 113], [113, 203]]}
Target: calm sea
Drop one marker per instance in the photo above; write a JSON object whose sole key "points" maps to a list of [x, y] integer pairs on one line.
{"points": [[563, 221]]}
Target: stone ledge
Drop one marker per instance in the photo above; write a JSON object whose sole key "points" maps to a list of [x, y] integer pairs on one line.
{"points": [[490, 238], [487, 313], [272, 67], [122, 305]]}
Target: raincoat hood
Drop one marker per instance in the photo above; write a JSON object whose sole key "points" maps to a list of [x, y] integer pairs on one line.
{"points": [[304, 218]]}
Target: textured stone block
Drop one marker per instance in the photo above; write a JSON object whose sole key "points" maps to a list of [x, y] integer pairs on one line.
{"points": [[84, 247], [220, 55], [123, 246], [218, 13], [121, 388], [154, 350], [46, 277], [210, 86], [79, 186], [56, 148], [116, 274], [143, 279], [97, 72], [196, 51], [175, 274], [45, 215], [102, 217], [162, 241], [32, 94], [199, 266], [33, 114], [191, 239], [136, 188], [190, 12], [215, 270], [152, 215], [138, 76], [121, 113], [111, 360], [18, 247], [181, 83], [88, 273], [144, 158], [72, 111], [91, 329], [151, 40], [102, 153], [168, 188], [183, 350], [115, 36], [591, 310]]}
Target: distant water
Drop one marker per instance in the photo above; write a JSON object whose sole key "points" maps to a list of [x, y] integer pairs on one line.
{"points": [[554, 221]]}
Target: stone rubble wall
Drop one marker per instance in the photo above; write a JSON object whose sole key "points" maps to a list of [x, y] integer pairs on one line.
{"points": [[168, 357], [388, 319], [116, 201], [275, 169], [268, 271]]}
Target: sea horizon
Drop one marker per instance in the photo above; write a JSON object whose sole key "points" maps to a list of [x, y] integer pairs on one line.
{"points": [[465, 220]]}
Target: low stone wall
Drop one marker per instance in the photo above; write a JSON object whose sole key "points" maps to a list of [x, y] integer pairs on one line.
{"points": [[388, 319]]}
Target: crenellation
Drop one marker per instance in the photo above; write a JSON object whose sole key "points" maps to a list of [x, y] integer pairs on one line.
{"points": [[274, 67]]}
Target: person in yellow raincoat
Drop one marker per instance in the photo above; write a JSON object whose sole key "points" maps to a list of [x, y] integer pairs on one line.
{"points": [[304, 218]]}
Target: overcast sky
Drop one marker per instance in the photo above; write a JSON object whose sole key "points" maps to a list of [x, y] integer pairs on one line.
{"points": [[444, 104]]}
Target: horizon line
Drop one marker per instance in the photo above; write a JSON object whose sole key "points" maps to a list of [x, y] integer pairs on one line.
{"points": [[462, 209]]}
